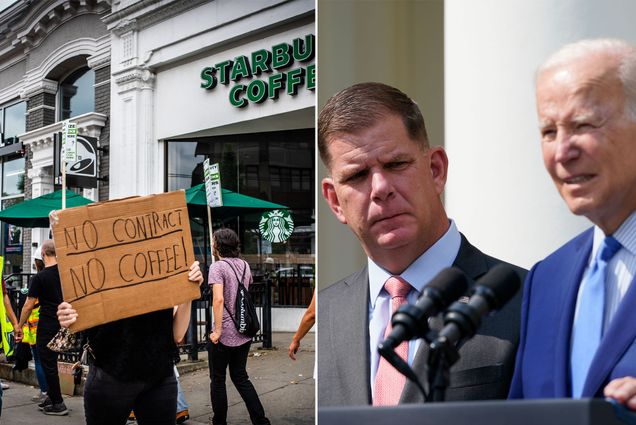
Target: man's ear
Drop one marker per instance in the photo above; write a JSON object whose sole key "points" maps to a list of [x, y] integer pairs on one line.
{"points": [[330, 195], [439, 167]]}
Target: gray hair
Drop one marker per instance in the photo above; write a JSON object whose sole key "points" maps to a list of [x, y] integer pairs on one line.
{"points": [[624, 52], [48, 248]]}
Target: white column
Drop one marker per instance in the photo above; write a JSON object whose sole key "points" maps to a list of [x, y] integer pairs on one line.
{"points": [[134, 153], [41, 184], [498, 190]]}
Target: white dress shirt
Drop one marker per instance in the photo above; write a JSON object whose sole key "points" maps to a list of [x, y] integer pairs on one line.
{"points": [[442, 254]]}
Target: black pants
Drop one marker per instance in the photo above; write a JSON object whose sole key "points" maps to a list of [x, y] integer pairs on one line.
{"points": [[48, 360], [220, 357], [108, 401]]}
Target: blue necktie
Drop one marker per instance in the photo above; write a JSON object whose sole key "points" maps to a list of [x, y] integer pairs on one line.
{"points": [[588, 327]]}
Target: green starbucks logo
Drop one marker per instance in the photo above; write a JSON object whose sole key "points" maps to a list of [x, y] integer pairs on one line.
{"points": [[276, 226]]}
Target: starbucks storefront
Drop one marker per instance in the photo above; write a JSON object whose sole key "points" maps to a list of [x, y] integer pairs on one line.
{"points": [[258, 101]]}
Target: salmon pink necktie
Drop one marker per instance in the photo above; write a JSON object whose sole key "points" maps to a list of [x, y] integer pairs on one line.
{"points": [[389, 383]]}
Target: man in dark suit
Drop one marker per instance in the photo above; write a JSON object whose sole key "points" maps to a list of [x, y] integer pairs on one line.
{"points": [[578, 335], [385, 183]]}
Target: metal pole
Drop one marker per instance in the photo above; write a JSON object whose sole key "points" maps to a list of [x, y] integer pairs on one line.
{"points": [[63, 183], [192, 332], [267, 315]]}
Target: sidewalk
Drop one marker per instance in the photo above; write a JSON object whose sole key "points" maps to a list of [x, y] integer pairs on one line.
{"points": [[285, 387]]}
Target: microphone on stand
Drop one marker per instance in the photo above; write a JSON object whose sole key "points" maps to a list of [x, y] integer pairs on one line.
{"points": [[491, 292]]}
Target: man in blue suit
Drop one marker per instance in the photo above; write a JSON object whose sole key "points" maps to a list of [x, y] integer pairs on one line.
{"points": [[578, 328]]}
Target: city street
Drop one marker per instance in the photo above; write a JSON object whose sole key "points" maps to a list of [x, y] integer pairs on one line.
{"points": [[285, 387]]}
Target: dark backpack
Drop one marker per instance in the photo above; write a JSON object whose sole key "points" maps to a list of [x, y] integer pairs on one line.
{"points": [[245, 317]]}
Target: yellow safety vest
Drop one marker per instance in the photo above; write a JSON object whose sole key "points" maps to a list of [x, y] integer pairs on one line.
{"points": [[30, 328]]}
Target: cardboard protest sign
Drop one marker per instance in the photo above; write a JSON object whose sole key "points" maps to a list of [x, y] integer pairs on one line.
{"points": [[125, 257]]}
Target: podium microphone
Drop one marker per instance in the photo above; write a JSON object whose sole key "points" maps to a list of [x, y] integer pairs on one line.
{"points": [[411, 320], [492, 291]]}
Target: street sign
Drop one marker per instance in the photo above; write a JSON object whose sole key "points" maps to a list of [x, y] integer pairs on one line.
{"points": [[82, 172], [212, 184], [69, 141]]}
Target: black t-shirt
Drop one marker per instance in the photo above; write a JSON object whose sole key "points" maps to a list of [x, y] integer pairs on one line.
{"points": [[139, 348], [47, 288]]}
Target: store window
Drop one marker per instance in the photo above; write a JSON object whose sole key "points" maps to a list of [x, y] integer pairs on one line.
{"points": [[273, 166], [77, 94], [12, 193], [12, 173], [13, 122]]}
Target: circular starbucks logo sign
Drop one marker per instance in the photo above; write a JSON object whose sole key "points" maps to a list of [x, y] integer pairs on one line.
{"points": [[276, 226]]}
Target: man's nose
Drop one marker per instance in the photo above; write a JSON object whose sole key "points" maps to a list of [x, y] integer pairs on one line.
{"points": [[381, 186], [566, 147]]}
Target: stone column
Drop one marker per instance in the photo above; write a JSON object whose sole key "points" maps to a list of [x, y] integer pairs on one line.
{"points": [[135, 168], [41, 184]]}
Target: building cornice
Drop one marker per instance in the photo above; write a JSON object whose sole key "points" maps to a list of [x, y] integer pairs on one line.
{"points": [[41, 86], [134, 78], [89, 124], [149, 12]]}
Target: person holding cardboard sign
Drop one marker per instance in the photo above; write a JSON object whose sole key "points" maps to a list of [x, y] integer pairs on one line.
{"points": [[46, 289], [132, 364]]}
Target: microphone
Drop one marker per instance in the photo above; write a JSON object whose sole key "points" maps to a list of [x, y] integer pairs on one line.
{"points": [[491, 292], [410, 321]]}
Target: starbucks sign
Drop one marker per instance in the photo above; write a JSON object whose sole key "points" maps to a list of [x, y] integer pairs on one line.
{"points": [[265, 73], [276, 226]]}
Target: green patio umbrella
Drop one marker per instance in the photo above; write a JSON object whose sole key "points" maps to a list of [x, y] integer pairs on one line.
{"points": [[233, 203], [35, 212]]}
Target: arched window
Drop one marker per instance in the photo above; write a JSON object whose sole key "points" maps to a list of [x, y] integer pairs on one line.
{"points": [[77, 93]]}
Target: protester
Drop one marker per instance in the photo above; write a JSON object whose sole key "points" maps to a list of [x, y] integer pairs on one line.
{"points": [[47, 290], [308, 320], [229, 348], [14, 322], [131, 364], [578, 335], [385, 182], [29, 336], [32, 328], [183, 414]]}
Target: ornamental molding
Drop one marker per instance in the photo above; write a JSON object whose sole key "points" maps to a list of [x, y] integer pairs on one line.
{"points": [[99, 48], [149, 12], [89, 124], [122, 27], [34, 21], [37, 87], [134, 78]]}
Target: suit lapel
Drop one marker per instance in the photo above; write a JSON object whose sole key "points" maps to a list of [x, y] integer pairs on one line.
{"points": [[620, 334], [472, 262], [353, 351], [569, 288]]}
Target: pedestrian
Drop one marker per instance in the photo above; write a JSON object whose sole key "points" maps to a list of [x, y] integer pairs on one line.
{"points": [[183, 414], [46, 288], [132, 364], [29, 335], [228, 348], [306, 323]]}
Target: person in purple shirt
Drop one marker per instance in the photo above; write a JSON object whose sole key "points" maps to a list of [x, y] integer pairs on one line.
{"points": [[228, 348]]}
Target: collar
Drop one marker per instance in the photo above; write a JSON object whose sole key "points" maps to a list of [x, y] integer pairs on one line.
{"points": [[625, 234], [440, 255]]}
